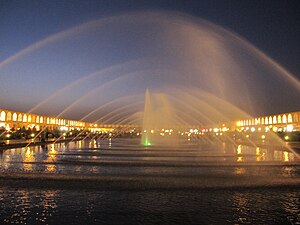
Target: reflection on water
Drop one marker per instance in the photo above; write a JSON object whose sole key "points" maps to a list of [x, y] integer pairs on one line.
{"points": [[79, 144], [261, 206], [239, 153], [257, 151], [210, 180], [291, 203], [239, 159], [52, 158], [240, 202], [239, 150], [28, 158], [109, 143], [286, 156], [27, 207], [240, 171], [266, 207]]}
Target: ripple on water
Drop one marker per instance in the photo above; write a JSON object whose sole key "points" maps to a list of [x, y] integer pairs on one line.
{"points": [[148, 186], [255, 206]]}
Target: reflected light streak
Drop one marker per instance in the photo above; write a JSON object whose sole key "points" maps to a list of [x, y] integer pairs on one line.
{"points": [[239, 149], [240, 159], [79, 144], [257, 151], [27, 159], [286, 157], [52, 157], [240, 171]]}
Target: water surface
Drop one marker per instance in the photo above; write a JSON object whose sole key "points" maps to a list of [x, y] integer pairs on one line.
{"points": [[118, 181]]}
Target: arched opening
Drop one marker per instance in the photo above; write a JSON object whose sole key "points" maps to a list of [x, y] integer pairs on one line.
{"points": [[29, 119], [290, 118], [20, 117], [266, 120], [274, 120], [284, 119], [295, 118], [270, 120], [2, 116], [24, 118], [279, 119], [15, 117], [8, 116]]}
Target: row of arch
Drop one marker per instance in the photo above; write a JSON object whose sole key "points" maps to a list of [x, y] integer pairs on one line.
{"points": [[7, 116], [271, 120]]}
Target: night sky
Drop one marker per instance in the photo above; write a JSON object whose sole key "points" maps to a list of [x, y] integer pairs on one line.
{"points": [[147, 44]]}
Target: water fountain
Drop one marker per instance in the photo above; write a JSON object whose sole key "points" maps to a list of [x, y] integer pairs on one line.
{"points": [[198, 75], [198, 54], [158, 116]]}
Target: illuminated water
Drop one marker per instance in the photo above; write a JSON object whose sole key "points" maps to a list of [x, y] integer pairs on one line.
{"points": [[119, 182]]}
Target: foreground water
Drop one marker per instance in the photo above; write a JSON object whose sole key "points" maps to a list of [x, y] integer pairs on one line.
{"points": [[119, 182]]}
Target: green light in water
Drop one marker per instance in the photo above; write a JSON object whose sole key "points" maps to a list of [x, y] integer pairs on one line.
{"points": [[147, 142]]}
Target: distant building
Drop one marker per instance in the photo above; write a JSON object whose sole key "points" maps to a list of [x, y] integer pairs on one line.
{"points": [[285, 122], [14, 120]]}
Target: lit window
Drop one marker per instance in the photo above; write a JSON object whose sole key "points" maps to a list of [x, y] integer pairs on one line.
{"points": [[2, 116], [274, 120], [270, 120], [266, 120], [295, 118], [279, 119], [8, 116], [15, 117], [284, 118], [290, 118]]}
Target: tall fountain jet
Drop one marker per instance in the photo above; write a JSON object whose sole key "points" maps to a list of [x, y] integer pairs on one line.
{"points": [[159, 116], [146, 120]]}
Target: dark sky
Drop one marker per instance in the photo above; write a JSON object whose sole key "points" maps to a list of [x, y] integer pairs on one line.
{"points": [[272, 26]]}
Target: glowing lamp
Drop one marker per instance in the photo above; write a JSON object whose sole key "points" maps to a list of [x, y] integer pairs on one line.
{"points": [[286, 138]]}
